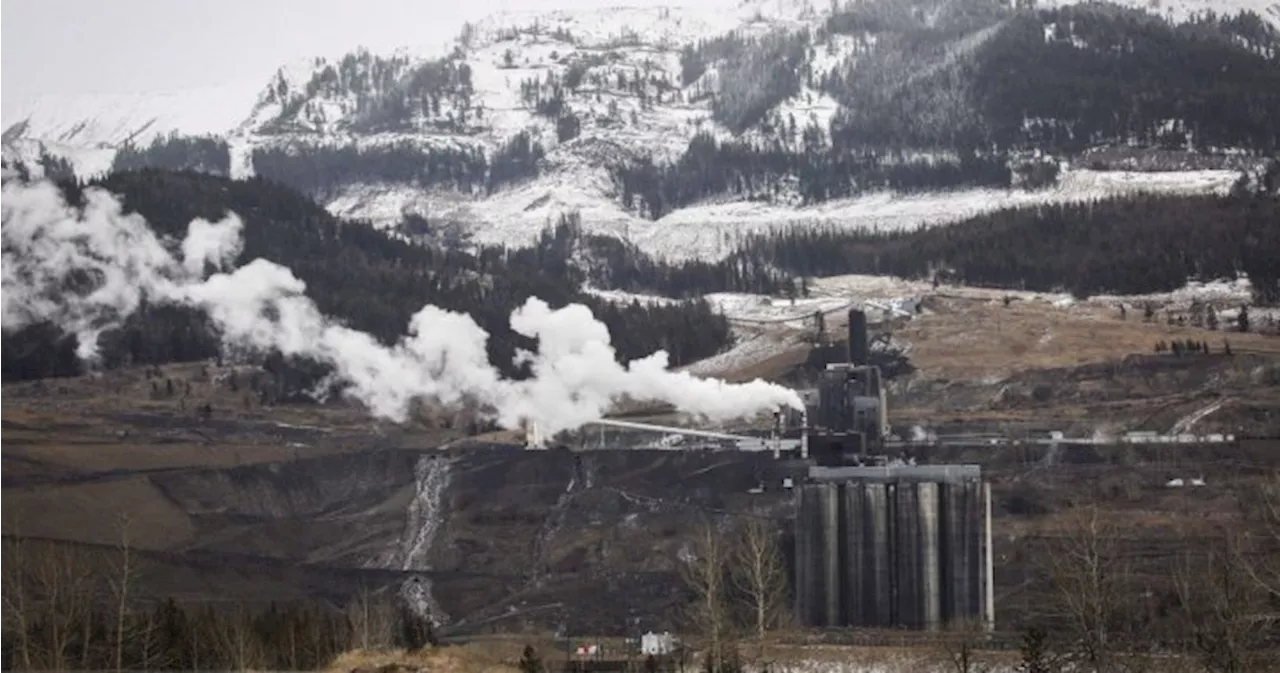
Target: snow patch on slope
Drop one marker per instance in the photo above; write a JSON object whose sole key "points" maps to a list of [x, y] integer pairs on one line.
{"points": [[748, 351], [755, 308], [85, 161], [1216, 292], [88, 129], [111, 120], [514, 216], [1178, 11], [667, 27], [624, 297]]}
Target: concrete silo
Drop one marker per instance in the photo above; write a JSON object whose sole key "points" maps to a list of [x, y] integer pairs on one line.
{"points": [[893, 546]]}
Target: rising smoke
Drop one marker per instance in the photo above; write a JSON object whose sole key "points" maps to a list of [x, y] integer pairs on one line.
{"points": [[87, 269]]}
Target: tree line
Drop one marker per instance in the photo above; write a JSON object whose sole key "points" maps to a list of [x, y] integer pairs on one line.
{"points": [[773, 170], [1085, 248], [372, 281], [878, 17], [176, 152], [610, 263], [322, 170], [70, 607], [1134, 76], [418, 95], [52, 167], [391, 93], [757, 75], [1122, 245]]}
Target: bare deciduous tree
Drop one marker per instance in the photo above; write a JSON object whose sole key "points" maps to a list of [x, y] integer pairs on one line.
{"points": [[62, 583], [144, 637], [235, 638], [760, 577], [1089, 579], [704, 572], [16, 600], [372, 620], [962, 648], [120, 584], [1262, 537], [1223, 609]]}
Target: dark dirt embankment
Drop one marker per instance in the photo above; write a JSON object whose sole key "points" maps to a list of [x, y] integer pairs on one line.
{"points": [[282, 503]]}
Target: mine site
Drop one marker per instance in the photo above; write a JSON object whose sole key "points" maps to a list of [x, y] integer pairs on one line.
{"points": [[737, 336], [920, 503]]}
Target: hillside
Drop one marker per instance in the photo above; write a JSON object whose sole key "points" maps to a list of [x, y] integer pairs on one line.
{"points": [[683, 129], [524, 122], [362, 277]]}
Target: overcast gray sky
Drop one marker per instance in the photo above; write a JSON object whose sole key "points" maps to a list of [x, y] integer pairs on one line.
{"points": [[85, 46]]}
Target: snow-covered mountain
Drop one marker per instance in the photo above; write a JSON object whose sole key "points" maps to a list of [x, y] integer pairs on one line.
{"points": [[87, 129], [619, 69], [559, 100]]}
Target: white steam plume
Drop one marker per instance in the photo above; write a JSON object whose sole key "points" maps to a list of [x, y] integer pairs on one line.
{"points": [[50, 248], [262, 304]]}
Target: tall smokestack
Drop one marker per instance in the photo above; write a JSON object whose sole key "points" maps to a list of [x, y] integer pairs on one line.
{"points": [[988, 575], [858, 351]]}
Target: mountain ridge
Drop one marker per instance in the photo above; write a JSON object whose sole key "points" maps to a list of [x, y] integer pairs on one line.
{"points": [[533, 114], [100, 119]]}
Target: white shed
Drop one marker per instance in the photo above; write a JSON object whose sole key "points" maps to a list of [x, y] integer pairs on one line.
{"points": [[657, 643]]}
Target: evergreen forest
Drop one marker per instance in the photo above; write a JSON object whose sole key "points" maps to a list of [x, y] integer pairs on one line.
{"points": [[1121, 245], [1124, 245], [176, 152], [322, 170], [759, 172], [1057, 80]]}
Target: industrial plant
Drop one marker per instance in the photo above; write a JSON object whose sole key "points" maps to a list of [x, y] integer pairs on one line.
{"points": [[882, 538], [879, 541]]}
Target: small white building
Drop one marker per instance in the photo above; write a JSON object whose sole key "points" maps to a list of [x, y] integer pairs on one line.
{"points": [[657, 643]]}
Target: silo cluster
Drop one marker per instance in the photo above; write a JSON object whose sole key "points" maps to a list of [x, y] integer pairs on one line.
{"points": [[899, 547]]}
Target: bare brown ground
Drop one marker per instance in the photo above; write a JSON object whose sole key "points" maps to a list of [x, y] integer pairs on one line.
{"points": [[124, 420], [501, 654], [966, 339], [971, 338], [464, 659], [98, 512]]}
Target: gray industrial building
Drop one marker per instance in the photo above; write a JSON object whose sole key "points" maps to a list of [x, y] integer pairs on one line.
{"points": [[894, 546], [888, 545]]}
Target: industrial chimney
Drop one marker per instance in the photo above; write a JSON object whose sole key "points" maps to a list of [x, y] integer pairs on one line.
{"points": [[858, 351]]}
